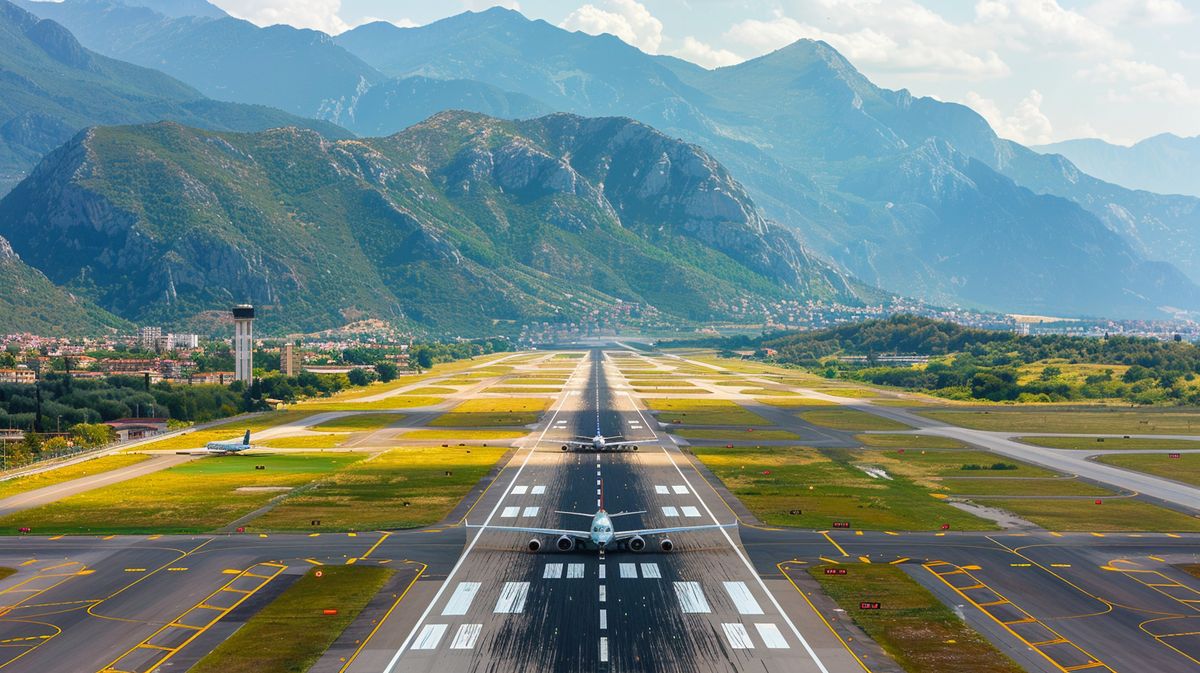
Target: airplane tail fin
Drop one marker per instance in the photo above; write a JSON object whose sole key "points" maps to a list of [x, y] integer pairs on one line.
{"points": [[246, 439]]}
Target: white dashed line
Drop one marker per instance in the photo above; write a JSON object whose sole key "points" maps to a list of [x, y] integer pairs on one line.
{"points": [[603, 571], [603, 620], [603, 594], [603, 649]]}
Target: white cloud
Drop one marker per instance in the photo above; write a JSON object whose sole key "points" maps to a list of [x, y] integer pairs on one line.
{"points": [[704, 54], [1046, 27], [1154, 12], [1026, 124], [1137, 80], [316, 14], [629, 20]]}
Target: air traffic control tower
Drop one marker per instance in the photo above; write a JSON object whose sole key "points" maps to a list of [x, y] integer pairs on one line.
{"points": [[243, 341]]}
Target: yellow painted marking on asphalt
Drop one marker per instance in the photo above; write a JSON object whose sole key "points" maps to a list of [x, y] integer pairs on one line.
{"points": [[58, 537], [1053, 534], [1060, 565], [29, 562], [835, 544], [351, 561], [829, 560], [108, 537], [314, 535], [858, 532], [1099, 535], [899, 560], [176, 570], [375, 546], [60, 565], [1021, 565], [1173, 535], [153, 537], [383, 619], [135, 570], [864, 559], [262, 535], [888, 532], [816, 612], [231, 571], [1155, 558], [972, 567], [351, 534]]}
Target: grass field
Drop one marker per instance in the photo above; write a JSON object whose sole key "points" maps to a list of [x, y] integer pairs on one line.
{"points": [[493, 412], [431, 390], [438, 371], [1110, 443], [325, 440], [1071, 373], [529, 390], [851, 419], [87, 468], [736, 434], [1185, 468], [291, 633], [358, 423], [850, 392], [198, 496], [795, 402], [910, 441], [826, 486], [393, 402], [704, 412], [994, 486], [912, 625], [465, 434], [1043, 419], [233, 429], [372, 494], [7, 572], [536, 381], [928, 467], [1113, 515], [1192, 569]]}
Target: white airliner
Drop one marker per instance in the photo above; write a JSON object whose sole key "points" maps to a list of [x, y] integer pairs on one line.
{"points": [[229, 447], [602, 536], [599, 443]]}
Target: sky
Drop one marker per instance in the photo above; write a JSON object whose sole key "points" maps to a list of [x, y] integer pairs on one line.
{"points": [[1039, 70]]}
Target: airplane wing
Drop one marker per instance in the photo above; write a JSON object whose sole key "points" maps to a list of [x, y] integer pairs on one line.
{"points": [[626, 534], [582, 534]]}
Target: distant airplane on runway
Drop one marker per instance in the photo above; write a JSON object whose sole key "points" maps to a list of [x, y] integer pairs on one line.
{"points": [[599, 443], [230, 447]]}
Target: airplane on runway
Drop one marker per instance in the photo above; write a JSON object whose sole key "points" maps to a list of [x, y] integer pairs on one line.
{"points": [[599, 443], [230, 447], [602, 536]]}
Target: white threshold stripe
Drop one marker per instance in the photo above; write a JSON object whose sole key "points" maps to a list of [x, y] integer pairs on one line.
{"points": [[575, 571], [510, 512], [460, 600], [690, 512], [740, 594], [430, 636], [553, 571], [538, 490], [466, 636], [670, 511], [512, 598], [520, 490], [650, 571], [739, 638], [772, 637], [691, 598], [475, 540], [628, 570], [680, 489], [530, 511], [662, 490], [737, 550]]}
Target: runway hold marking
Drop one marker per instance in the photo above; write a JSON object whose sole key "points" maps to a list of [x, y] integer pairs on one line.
{"points": [[669, 511], [691, 512], [740, 594], [460, 600], [650, 571], [1033, 632], [510, 512], [538, 490], [530, 512], [662, 490], [738, 637], [512, 598], [772, 636], [553, 571], [430, 636], [466, 636], [520, 490], [628, 571], [680, 489], [575, 571], [691, 598]]}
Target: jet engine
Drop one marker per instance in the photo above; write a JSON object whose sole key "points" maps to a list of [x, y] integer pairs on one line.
{"points": [[564, 447], [666, 545], [635, 447], [637, 543], [565, 543], [535, 544]]}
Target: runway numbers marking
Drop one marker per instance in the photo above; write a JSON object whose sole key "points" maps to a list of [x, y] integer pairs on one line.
{"points": [[691, 512], [512, 598], [520, 490], [553, 571], [510, 512], [680, 489], [538, 490], [628, 570], [650, 571], [662, 490], [670, 511], [574, 571], [691, 598], [530, 512], [460, 600], [740, 594], [772, 637], [466, 636], [739, 638], [429, 637]]}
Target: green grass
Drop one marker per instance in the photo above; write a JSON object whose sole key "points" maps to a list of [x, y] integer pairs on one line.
{"points": [[910, 441], [198, 496], [738, 434], [988, 486], [1192, 569], [704, 412], [850, 392], [851, 419], [372, 494], [1111, 443], [358, 423], [493, 412], [290, 634], [1123, 514], [431, 390], [826, 486], [1042, 419], [64, 474], [232, 429], [7, 572], [912, 625], [529, 390], [1185, 468], [328, 440], [931, 466], [394, 402], [795, 402], [465, 434]]}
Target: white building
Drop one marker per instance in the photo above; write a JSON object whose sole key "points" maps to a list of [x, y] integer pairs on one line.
{"points": [[243, 342], [149, 338]]}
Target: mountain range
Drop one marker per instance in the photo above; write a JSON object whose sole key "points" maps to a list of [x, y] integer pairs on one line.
{"points": [[1165, 163]]}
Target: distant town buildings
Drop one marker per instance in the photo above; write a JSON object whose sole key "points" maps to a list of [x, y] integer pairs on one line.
{"points": [[18, 375], [149, 338], [243, 342]]}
